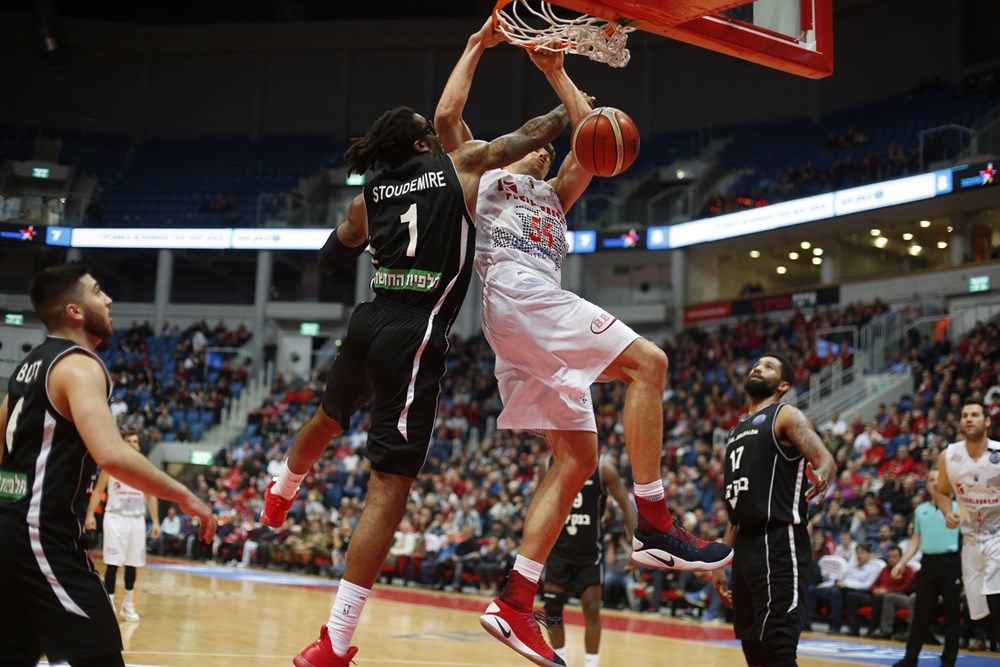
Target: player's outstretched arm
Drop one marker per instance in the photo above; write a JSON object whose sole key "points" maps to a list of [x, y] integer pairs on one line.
{"points": [[78, 390], [793, 427], [474, 158], [478, 157], [571, 180], [449, 122]]}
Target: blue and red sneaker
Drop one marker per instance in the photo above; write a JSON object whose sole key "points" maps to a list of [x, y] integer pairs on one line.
{"points": [[677, 549]]}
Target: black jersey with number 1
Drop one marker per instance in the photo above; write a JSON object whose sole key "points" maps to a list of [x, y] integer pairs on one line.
{"points": [[421, 234], [765, 480]]}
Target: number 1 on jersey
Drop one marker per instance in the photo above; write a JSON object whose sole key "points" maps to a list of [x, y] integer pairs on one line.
{"points": [[410, 220]]}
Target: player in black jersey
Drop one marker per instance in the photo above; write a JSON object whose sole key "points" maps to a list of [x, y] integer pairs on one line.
{"points": [[57, 428], [575, 566], [415, 217], [769, 456]]}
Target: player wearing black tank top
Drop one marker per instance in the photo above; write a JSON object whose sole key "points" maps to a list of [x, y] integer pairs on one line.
{"points": [[770, 455], [57, 428], [415, 218]]}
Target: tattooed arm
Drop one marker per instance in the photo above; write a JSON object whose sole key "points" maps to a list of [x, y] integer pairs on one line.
{"points": [[474, 158], [792, 427]]}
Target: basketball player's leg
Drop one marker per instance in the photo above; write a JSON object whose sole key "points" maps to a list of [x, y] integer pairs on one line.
{"points": [[110, 579], [554, 598], [346, 390], [657, 542], [991, 582], [787, 568], [409, 367], [134, 550], [973, 580], [509, 617], [590, 600], [113, 550], [574, 459], [19, 645], [643, 367], [66, 615]]}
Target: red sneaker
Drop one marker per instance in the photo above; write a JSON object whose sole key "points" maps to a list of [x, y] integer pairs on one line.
{"points": [[320, 654], [519, 630], [275, 508]]}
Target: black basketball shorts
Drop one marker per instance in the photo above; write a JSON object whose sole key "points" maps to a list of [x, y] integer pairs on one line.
{"points": [[393, 355], [52, 600], [770, 573], [573, 576]]}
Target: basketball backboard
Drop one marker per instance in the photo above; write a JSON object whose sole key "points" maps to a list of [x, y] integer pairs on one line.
{"points": [[795, 36]]}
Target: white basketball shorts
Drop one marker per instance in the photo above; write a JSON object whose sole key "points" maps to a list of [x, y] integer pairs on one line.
{"points": [[124, 540], [980, 572], [550, 346]]}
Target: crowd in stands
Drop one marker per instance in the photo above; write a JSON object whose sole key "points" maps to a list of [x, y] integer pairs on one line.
{"points": [[852, 155], [463, 523], [166, 386]]}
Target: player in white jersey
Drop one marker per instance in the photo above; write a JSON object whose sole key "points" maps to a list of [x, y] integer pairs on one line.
{"points": [[124, 530], [972, 468], [551, 346]]}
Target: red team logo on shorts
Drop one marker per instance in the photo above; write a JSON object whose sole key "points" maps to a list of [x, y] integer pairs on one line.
{"points": [[601, 323]]}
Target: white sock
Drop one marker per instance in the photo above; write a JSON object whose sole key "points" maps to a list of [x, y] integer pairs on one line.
{"points": [[128, 598], [591, 660], [287, 482], [529, 569], [562, 653], [345, 614], [652, 491]]}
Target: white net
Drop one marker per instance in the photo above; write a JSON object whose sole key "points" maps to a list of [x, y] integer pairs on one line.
{"points": [[536, 24]]}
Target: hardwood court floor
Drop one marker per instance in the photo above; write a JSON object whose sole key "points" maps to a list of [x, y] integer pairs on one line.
{"points": [[202, 615]]}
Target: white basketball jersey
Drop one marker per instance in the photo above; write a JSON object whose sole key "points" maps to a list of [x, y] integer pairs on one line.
{"points": [[977, 487], [519, 218], [124, 499]]}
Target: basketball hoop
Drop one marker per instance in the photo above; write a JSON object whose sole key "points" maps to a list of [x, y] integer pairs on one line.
{"points": [[536, 25]]}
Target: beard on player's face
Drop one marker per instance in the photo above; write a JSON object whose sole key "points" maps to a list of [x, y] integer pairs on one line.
{"points": [[96, 324], [760, 388]]}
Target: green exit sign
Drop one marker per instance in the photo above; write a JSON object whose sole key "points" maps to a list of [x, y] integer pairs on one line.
{"points": [[309, 329], [355, 179], [40, 172], [979, 284], [16, 319], [201, 458]]}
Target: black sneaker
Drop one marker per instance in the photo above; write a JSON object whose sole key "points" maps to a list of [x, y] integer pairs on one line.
{"points": [[677, 549]]}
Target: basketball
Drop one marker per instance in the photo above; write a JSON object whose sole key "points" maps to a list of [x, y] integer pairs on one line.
{"points": [[605, 142]]}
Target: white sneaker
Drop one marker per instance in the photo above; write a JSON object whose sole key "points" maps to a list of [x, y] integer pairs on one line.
{"points": [[129, 613]]}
